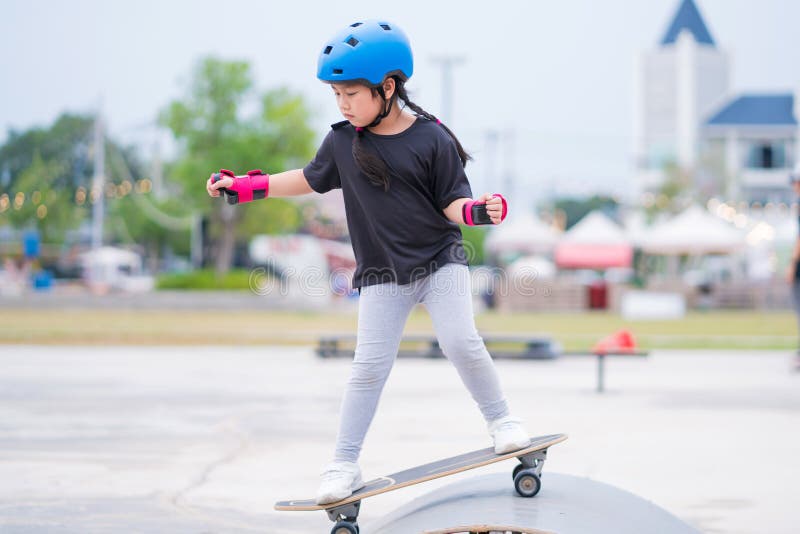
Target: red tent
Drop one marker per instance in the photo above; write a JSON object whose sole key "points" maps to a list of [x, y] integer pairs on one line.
{"points": [[596, 242]]}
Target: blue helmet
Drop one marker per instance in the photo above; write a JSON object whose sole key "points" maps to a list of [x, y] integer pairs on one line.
{"points": [[366, 51]]}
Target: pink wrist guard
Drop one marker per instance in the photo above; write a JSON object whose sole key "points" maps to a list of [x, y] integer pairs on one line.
{"points": [[252, 186], [474, 211]]}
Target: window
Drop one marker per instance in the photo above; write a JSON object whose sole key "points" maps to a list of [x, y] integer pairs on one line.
{"points": [[766, 155]]}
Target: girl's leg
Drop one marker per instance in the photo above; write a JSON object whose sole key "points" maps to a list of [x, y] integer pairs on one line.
{"points": [[448, 298], [382, 313]]}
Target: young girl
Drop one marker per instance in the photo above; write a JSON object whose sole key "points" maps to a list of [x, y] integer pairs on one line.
{"points": [[405, 193]]}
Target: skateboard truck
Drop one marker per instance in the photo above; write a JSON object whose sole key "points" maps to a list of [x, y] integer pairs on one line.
{"points": [[528, 474], [345, 518]]}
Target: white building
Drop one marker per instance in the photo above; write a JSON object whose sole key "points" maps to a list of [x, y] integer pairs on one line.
{"points": [[737, 146], [750, 146]]}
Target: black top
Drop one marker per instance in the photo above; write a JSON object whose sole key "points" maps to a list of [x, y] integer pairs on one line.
{"points": [[401, 234]]}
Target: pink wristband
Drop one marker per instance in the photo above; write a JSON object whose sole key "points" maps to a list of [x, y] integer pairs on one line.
{"points": [[252, 186], [466, 210]]}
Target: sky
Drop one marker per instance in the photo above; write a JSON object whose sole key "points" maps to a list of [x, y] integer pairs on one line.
{"points": [[554, 80]]}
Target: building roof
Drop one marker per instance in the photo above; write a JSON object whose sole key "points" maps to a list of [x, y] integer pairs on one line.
{"points": [[766, 109], [688, 18]]}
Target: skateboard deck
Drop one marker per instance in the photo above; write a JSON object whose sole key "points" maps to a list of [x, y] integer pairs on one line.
{"points": [[526, 478]]}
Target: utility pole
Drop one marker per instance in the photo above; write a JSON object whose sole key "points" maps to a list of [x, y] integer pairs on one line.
{"points": [[491, 174], [509, 163], [98, 192], [446, 63], [158, 172]]}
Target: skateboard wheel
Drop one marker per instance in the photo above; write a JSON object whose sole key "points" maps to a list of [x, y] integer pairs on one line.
{"points": [[344, 527], [527, 483], [517, 469]]}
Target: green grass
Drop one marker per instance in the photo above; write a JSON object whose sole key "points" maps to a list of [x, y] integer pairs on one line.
{"points": [[706, 330], [205, 279]]}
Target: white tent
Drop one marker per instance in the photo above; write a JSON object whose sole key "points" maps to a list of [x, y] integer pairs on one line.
{"points": [[525, 234], [694, 232], [596, 229], [532, 268]]}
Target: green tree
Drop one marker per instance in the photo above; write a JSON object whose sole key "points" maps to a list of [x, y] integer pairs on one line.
{"points": [[213, 133], [40, 170], [474, 237], [138, 215], [46, 177], [39, 202], [575, 209], [67, 143]]}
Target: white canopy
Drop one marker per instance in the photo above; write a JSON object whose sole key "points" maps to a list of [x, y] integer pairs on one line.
{"points": [[695, 231], [595, 242], [595, 229], [524, 233]]}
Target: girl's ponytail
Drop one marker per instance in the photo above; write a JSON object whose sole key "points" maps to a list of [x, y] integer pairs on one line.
{"points": [[403, 95], [371, 164]]}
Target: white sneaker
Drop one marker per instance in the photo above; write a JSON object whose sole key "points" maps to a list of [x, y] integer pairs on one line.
{"points": [[339, 481], [508, 435]]}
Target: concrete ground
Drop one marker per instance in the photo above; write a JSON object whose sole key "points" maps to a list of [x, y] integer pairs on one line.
{"points": [[202, 440]]}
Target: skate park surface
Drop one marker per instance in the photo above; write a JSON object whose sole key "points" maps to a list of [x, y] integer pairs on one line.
{"points": [[206, 439]]}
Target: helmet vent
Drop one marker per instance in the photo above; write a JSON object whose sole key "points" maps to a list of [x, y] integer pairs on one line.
{"points": [[356, 24], [386, 27], [338, 71], [327, 50], [352, 41]]}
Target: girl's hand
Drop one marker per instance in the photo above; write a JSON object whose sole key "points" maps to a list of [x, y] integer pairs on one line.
{"points": [[494, 207], [213, 188]]}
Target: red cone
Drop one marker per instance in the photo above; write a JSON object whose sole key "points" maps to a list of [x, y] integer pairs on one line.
{"points": [[621, 342]]}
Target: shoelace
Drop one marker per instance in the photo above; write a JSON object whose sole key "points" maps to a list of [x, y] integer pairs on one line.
{"points": [[508, 425], [335, 473]]}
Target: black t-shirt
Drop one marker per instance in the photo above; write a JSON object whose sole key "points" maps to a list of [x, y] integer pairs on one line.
{"points": [[401, 234]]}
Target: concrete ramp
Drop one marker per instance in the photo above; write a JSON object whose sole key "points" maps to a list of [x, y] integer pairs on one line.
{"points": [[565, 505]]}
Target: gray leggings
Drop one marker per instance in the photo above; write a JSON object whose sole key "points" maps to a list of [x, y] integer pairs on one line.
{"points": [[383, 310]]}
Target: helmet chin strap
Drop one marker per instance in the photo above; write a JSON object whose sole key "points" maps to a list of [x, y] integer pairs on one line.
{"points": [[386, 109]]}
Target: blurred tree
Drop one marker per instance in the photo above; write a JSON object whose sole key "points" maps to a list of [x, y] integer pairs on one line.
{"points": [[575, 209], [37, 201], [42, 168], [213, 133], [47, 176], [674, 195], [474, 237], [66, 143], [155, 222]]}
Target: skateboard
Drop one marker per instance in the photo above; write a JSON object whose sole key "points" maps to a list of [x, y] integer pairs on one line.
{"points": [[527, 480]]}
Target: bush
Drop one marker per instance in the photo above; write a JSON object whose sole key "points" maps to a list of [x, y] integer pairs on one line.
{"points": [[205, 279]]}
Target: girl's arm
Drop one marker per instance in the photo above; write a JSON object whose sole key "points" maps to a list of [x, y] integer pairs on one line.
{"points": [[284, 184], [494, 207], [453, 212], [289, 184]]}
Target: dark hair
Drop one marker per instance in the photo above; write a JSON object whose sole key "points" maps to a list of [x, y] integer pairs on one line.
{"points": [[371, 163]]}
